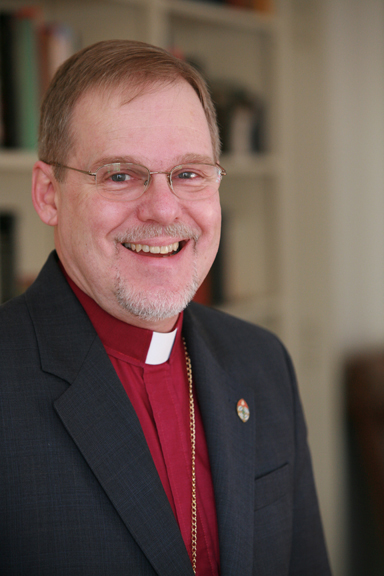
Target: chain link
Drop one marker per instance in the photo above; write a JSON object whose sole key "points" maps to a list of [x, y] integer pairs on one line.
{"points": [[192, 428]]}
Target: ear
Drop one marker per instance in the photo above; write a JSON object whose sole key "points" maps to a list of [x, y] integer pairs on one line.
{"points": [[45, 193]]}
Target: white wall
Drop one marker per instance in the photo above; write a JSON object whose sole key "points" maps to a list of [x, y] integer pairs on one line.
{"points": [[338, 193], [311, 279], [356, 160], [355, 147]]}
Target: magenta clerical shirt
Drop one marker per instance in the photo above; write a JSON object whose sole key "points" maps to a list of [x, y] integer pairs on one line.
{"points": [[159, 395]]}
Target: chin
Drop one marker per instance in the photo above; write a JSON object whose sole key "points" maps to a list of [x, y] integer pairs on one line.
{"points": [[157, 304]]}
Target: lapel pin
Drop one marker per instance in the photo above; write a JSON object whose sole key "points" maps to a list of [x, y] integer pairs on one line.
{"points": [[242, 410]]}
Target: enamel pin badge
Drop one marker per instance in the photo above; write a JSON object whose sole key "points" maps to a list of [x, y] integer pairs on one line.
{"points": [[242, 410]]}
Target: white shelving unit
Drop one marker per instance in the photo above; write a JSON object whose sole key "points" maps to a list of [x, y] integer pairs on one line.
{"points": [[231, 45]]}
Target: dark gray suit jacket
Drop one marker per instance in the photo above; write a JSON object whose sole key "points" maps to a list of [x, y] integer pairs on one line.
{"points": [[80, 494]]}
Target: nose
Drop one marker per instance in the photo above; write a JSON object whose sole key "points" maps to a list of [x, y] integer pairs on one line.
{"points": [[158, 203]]}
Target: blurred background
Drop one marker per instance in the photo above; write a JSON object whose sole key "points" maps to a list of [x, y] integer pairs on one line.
{"points": [[299, 90]]}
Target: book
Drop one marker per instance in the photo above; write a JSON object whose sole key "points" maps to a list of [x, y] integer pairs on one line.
{"points": [[30, 53], [56, 43], [7, 256], [27, 79], [10, 126], [61, 45], [239, 3], [266, 6], [240, 117]]}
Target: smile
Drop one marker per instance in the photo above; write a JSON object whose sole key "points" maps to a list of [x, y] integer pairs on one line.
{"points": [[171, 248]]}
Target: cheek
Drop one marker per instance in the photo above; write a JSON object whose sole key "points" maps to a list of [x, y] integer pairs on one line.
{"points": [[209, 220], [98, 219]]}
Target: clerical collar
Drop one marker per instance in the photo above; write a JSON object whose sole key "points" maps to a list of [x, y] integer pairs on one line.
{"points": [[140, 344], [160, 347]]}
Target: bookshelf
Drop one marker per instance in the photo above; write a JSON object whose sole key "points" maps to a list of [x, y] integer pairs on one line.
{"points": [[275, 202], [234, 47]]}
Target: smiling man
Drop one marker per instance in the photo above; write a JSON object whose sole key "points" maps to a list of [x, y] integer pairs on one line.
{"points": [[143, 434], [139, 249]]}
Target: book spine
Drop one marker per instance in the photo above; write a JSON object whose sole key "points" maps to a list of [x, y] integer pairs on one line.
{"points": [[30, 52], [7, 257], [8, 80], [26, 67], [61, 45]]}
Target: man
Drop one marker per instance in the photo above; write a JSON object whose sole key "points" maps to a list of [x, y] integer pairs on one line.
{"points": [[120, 411]]}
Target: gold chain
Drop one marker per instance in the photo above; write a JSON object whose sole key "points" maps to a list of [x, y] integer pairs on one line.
{"points": [[192, 429]]}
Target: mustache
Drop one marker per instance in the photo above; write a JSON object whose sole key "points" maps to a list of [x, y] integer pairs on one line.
{"points": [[148, 231]]}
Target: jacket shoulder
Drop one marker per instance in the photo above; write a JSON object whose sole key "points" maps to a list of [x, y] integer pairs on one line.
{"points": [[15, 321], [239, 347], [16, 315]]}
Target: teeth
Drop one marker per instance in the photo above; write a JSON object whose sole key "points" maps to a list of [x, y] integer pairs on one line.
{"points": [[153, 249]]}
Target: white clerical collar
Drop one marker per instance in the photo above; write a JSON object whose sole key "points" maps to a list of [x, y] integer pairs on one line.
{"points": [[160, 347]]}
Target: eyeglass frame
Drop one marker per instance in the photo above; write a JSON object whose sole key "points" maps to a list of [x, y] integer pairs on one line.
{"points": [[222, 172]]}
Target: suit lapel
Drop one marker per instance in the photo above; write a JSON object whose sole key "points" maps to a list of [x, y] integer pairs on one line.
{"points": [[231, 447], [102, 422], [98, 415]]}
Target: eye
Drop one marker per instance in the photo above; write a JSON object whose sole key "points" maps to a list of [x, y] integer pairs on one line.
{"points": [[120, 180], [121, 177], [193, 174], [187, 175], [129, 176]]}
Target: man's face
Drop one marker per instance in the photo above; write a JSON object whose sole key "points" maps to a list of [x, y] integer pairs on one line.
{"points": [[159, 129]]}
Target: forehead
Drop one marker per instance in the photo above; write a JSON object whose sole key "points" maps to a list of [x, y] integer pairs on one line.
{"points": [[158, 118]]}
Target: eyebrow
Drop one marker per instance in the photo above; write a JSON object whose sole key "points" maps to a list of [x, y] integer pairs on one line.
{"points": [[187, 158]]}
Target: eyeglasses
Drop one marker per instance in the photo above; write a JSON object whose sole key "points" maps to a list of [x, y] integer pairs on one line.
{"points": [[125, 181]]}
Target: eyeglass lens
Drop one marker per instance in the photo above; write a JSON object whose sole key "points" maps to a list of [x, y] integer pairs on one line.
{"points": [[129, 181]]}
